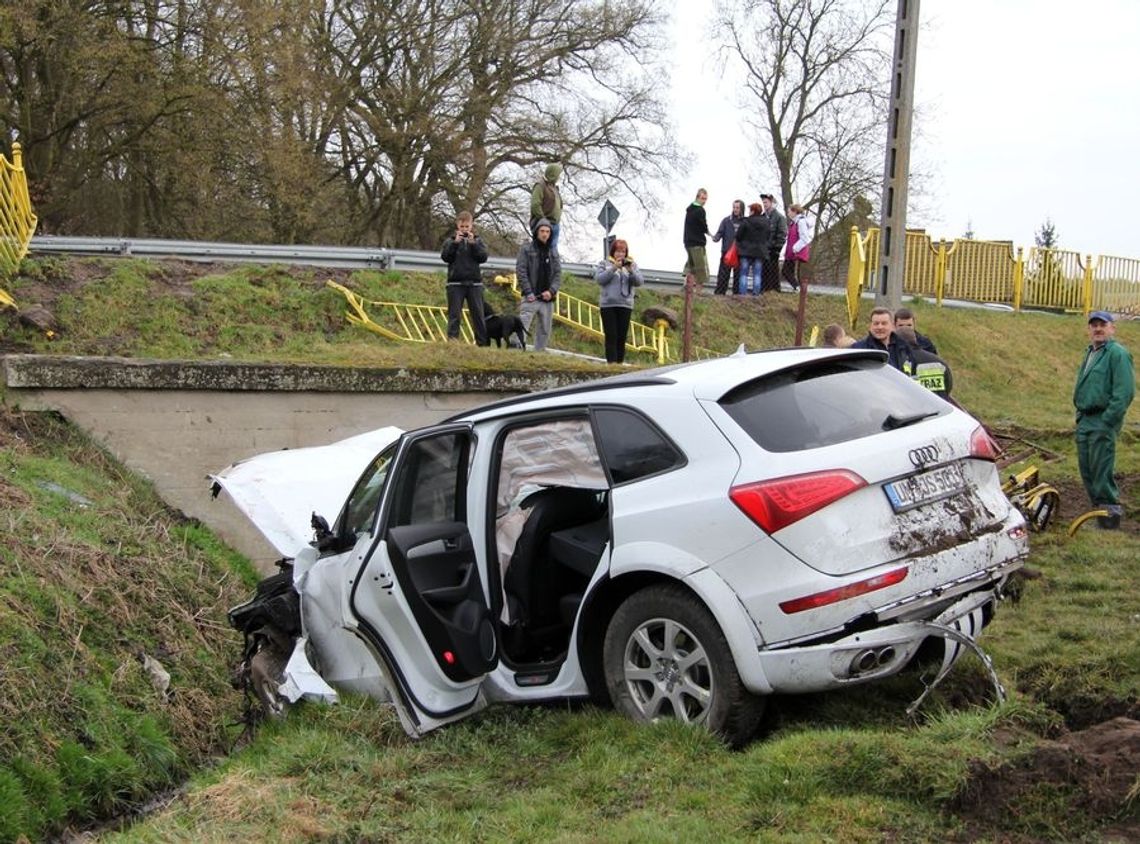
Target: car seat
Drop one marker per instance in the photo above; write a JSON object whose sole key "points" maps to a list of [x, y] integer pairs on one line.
{"points": [[534, 584]]}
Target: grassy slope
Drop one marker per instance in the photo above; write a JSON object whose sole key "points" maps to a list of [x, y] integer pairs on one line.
{"points": [[837, 767], [94, 572]]}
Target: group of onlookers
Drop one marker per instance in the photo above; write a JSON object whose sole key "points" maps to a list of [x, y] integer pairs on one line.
{"points": [[750, 252], [538, 267], [750, 245]]}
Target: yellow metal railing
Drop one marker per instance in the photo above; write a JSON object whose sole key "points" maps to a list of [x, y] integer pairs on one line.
{"points": [[428, 323], [17, 222], [400, 321], [997, 272]]}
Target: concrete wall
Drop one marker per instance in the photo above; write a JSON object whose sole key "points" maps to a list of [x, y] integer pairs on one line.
{"points": [[175, 423]]}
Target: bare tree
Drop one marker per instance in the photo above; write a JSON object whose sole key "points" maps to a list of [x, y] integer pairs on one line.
{"points": [[460, 102], [815, 86]]}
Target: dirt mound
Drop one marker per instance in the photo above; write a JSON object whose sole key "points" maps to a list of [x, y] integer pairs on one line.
{"points": [[1094, 771]]}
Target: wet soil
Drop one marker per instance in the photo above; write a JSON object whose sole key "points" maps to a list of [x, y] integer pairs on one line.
{"points": [[1094, 769]]}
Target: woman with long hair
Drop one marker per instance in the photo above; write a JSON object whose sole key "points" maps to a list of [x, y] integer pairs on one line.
{"points": [[617, 275]]}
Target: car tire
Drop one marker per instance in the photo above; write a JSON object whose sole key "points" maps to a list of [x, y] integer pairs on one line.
{"points": [[665, 656]]}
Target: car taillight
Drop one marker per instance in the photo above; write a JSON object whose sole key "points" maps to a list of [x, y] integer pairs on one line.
{"points": [[778, 503], [982, 445], [842, 593]]}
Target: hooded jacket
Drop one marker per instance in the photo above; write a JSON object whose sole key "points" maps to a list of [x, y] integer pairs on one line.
{"points": [[545, 200], [617, 283], [538, 267]]}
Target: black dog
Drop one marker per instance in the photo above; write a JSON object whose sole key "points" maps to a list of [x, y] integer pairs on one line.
{"points": [[502, 327]]}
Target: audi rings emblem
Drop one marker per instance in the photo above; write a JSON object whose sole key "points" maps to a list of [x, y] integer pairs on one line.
{"points": [[920, 457]]}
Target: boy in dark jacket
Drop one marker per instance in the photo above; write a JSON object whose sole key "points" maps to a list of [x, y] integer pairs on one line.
{"points": [[463, 252], [539, 273]]}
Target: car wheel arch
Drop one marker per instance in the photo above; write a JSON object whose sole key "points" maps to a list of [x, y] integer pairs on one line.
{"points": [[706, 587]]}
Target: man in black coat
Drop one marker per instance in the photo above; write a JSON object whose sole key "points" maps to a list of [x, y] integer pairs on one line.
{"points": [[463, 252], [778, 234], [904, 318], [881, 335]]}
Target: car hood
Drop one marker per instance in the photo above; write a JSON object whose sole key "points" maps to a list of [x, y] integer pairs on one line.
{"points": [[279, 491]]}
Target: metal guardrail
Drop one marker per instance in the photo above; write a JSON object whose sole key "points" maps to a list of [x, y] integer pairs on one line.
{"points": [[321, 256]]}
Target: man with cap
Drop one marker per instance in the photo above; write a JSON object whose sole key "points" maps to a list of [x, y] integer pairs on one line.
{"points": [[1104, 390]]}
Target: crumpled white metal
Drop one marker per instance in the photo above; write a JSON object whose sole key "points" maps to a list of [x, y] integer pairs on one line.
{"points": [[280, 490], [300, 679]]}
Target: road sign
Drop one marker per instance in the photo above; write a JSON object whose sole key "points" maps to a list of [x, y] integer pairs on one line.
{"points": [[608, 216]]}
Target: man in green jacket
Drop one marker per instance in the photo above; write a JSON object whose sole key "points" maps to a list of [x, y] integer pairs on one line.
{"points": [[1104, 390], [546, 202]]}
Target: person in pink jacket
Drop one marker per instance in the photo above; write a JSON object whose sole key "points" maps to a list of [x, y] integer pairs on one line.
{"points": [[798, 248]]}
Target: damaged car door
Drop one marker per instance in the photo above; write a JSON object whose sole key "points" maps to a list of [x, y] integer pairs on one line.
{"points": [[407, 585]]}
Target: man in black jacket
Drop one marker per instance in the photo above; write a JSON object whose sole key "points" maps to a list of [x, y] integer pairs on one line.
{"points": [[881, 335], [539, 272], [696, 230], [904, 318], [463, 252], [778, 228]]}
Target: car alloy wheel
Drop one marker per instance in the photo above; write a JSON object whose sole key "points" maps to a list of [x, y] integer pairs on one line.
{"points": [[667, 672], [665, 656]]}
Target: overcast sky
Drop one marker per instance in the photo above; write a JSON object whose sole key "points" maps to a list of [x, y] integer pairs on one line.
{"points": [[1028, 109]]}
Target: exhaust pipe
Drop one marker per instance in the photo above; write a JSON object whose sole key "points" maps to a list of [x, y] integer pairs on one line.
{"points": [[864, 661]]}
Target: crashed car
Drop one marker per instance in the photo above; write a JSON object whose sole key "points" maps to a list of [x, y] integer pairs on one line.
{"points": [[682, 542]]}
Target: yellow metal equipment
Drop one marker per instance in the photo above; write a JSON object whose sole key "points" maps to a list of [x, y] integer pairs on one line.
{"points": [[1076, 523], [1038, 502], [399, 321]]}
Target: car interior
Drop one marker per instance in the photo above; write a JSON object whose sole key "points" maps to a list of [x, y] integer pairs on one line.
{"points": [[552, 528]]}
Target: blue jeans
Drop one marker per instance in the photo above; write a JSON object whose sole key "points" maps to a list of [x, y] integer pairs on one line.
{"points": [[554, 227], [748, 268]]}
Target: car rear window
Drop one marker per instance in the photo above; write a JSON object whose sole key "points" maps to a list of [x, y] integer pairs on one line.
{"points": [[830, 402]]}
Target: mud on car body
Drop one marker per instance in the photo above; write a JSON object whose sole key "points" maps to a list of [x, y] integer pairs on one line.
{"points": [[683, 542]]}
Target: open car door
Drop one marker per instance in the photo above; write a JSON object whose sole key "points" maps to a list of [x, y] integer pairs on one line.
{"points": [[418, 599]]}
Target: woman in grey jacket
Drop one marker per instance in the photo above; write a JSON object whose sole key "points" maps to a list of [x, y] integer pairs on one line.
{"points": [[617, 276]]}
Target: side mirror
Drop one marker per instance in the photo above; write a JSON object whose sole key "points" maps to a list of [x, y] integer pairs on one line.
{"points": [[322, 536]]}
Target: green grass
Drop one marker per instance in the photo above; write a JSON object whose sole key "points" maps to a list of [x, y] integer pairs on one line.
{"points": [[95, 572], [84, 589]]}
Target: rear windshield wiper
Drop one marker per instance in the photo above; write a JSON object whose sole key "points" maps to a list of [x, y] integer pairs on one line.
{"points": [[892, 422]]}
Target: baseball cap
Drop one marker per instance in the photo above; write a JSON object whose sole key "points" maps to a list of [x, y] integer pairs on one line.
{"points": [[1103, 316]]}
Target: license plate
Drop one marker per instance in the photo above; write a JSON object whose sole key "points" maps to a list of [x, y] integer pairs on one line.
{"points": [[929, 486]]}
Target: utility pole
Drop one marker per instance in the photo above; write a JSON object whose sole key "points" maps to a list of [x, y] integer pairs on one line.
{"points": [[896, 165]]}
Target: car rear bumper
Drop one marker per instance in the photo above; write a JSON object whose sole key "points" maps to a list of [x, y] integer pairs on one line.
{"points": [[867, 655]]}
